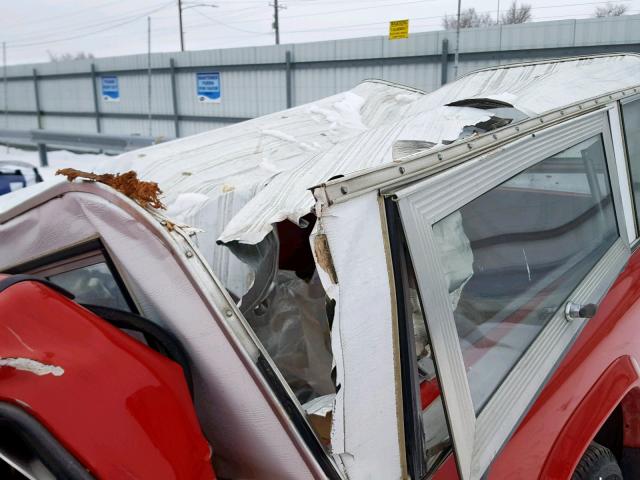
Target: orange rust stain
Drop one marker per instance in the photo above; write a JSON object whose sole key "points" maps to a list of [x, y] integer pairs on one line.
{"points": [[144, 193]]}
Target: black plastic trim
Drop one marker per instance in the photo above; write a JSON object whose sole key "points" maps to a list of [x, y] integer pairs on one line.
{"points": [[158, 339], [304, 429], [56, 458]]}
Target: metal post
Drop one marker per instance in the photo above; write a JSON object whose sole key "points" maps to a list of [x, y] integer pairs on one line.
{"points": [[288, 78], [455, 65], [37, 98], [180, 22], [444, 63], [276, 21], [149, 70], [6, 94], [42, 153], [174, 96], [96, 105]]}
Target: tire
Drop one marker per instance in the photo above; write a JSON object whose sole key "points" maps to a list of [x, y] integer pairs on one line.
{"points": [[597, 463]]}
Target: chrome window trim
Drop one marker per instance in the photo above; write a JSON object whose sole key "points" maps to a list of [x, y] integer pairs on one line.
{"points": [[69, 264], [619, 174], [478, 439], [622, 156]]}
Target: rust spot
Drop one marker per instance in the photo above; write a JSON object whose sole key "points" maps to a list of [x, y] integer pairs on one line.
{"points": [[323, 256], [144, 193]]}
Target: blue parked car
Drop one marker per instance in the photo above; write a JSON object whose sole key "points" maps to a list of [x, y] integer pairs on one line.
{"points": [[15, 175]]}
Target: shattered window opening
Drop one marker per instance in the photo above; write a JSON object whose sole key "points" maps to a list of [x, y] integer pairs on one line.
{"points": [[290, 313]]}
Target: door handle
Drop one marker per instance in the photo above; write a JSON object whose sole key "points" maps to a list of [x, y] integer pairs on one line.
{"points": [[577, 310]]}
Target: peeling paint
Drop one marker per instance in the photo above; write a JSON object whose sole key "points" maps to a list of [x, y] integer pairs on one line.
{"points": [[33, 366]]}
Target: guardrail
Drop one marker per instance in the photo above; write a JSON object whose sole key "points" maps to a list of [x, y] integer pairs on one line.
{"points": [[97, 141]]}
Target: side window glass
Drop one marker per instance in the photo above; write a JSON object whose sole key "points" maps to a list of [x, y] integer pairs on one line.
{"points": [[631, 127], [512, 256], [92, 284]]}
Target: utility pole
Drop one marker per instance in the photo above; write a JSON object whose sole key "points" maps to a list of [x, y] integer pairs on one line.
{"points": [[276, 22], [180, 21], [455, 64], [6, 95], [149, 70]]}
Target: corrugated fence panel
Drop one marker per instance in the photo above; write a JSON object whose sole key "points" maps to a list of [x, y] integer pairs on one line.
{"points": [[68, 124], [254, 81], [134, 97], [65, 95], [20, 96]]}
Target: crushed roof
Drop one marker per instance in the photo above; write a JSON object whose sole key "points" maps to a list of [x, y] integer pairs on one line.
{"points": [[236, 182]]}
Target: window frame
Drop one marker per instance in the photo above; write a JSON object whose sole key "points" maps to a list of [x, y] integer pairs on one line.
{"points": [[85, 254], [622, 152], [477, 439]]}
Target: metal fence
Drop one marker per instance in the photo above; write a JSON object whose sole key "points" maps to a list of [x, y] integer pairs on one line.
{"points": [[254, 81]]}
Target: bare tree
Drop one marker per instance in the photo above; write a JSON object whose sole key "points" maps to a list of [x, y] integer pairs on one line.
{"points": [[64, 57], [611, 10], [469, 18], [516, 14]]}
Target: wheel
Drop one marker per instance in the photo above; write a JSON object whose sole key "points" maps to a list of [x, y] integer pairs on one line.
{"points": [[597, 463]]}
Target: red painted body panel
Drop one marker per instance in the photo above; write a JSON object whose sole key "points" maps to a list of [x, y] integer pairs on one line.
{"points": [[597, 372], [122, 409]]}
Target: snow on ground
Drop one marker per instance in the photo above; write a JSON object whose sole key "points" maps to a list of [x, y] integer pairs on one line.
{"points": [[57, 159]]}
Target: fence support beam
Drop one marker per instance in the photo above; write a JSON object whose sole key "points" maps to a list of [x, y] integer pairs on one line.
{"points": [[174, 97], [288, 79], [42, 153], [444, 64], [96, 106], [37, 98]]}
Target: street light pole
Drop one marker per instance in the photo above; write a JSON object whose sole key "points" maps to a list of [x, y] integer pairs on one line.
{"points": [[180, 21], [455, 64]]}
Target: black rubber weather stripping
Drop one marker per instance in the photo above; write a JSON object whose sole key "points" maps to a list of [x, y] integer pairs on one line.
{"points": [[302, 426], [55, 457], [159, 339], [413, 434], [13, 279]]}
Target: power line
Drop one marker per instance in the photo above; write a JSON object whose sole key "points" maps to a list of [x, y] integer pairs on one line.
{"points": [[73, 37], [131, 15], [228, 25]]}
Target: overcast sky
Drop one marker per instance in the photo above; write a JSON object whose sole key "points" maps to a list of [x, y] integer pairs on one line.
{"points": [[31, 28]]}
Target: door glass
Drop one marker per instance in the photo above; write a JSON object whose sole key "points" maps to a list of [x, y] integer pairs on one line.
{"points": [[93, 284], [434, 429], [513, 255], [631, 120]]}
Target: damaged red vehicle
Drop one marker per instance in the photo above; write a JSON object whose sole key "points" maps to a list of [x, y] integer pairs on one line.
{"points": [[385, 283]]}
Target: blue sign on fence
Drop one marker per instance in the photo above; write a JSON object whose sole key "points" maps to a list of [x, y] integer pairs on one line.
{"points": [[208, 87], [110, 88]]}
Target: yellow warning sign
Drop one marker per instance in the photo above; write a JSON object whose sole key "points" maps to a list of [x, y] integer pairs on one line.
{"points": [[398, 29]]}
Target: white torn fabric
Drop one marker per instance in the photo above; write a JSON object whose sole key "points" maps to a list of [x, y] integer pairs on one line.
{"points": [[258, 173], [362, 340], [32, 366]]}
